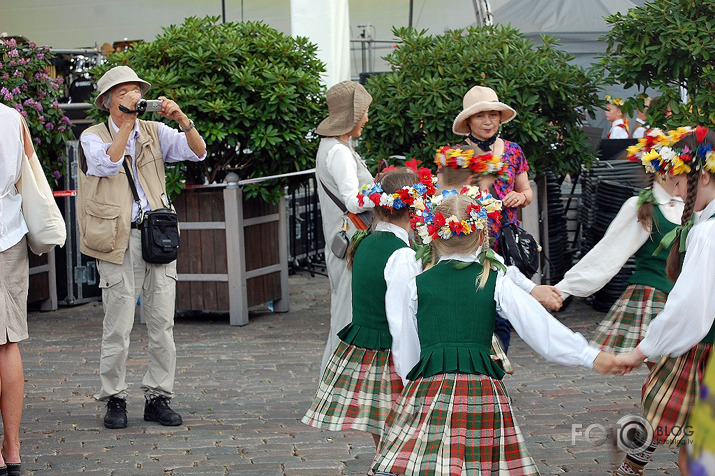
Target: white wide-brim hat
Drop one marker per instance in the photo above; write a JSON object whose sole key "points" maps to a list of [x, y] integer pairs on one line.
{"points": [[115, 76], [347, 103], [479, 99]]}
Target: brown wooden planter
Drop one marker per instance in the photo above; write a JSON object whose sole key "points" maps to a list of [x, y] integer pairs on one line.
{"points": [[233, 253], [42, 290]]}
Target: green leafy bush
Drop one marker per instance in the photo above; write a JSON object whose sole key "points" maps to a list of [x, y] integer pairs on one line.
{"points": [[415, 104], [26, 85], [253, 93], [665, 45]]}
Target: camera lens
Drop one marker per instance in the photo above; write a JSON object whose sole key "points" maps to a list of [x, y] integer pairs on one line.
{"points": [[141, 105]]}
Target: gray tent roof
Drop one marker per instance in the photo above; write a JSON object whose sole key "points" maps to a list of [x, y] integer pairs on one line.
{"points": [[560, 16], [577, 23]]}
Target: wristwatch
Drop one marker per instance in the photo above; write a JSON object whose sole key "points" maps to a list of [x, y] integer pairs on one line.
{"points": [[191, 126]]}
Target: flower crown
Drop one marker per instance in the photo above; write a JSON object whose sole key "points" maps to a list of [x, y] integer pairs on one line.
{"points": [[457, 158], [615, 101], [430, 225], [656, 153], [408, 196]]}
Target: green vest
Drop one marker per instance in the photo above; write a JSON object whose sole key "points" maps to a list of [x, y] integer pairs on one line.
{"points": [[369, 328], [650, 269], [455, 321]]}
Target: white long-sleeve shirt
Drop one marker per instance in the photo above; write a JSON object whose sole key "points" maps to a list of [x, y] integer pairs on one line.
{"points": [[690, 309], [174, 148], [541, 331], [12, 222], [624, 236]]}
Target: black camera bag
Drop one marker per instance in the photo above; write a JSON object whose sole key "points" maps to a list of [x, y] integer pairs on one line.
{"points": [[519, 248], [160, 236], [159, 229]]}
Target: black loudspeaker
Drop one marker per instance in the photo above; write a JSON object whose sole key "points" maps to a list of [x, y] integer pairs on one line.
{"points": [[77, 276]]}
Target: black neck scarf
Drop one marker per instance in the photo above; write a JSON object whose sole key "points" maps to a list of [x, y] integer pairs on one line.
{"points": [[485, 145]]}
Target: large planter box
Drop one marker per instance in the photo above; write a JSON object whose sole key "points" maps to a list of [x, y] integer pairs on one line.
{"points": [[233, 253], [42, 291]]}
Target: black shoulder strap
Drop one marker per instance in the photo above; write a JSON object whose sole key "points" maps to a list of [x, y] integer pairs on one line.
{"points": [[332, 196], [130, 177]]}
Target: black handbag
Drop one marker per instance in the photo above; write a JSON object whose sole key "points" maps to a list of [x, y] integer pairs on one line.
{"points": [[159, 229], [519, 248]]}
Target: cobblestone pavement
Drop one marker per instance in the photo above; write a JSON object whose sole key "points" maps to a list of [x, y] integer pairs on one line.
{"points": [[242, 391]]}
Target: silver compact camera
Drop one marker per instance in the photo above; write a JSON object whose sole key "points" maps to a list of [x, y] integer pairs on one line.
{"points": [[148, 105]]}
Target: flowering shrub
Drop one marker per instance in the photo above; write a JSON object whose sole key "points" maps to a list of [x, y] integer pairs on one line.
{"points": [[26, 85]]}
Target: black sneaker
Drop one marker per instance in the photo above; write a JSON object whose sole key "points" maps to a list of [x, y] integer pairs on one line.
{"points": [[157, 409], [116, 416]]}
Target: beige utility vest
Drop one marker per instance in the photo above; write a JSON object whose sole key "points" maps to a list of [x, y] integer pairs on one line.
{"points": [[104, 204]]}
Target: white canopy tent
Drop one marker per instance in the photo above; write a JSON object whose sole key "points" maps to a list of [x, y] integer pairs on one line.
{"points": [[327, 24]]}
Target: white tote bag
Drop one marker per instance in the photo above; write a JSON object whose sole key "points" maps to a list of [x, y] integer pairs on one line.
{"points": [[44, 220]]}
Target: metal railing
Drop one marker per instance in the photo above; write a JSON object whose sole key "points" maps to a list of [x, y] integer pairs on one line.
{"points": [[305, 229]]}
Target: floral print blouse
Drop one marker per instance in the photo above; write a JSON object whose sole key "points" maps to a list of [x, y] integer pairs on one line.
{"points": [[516, 163]]}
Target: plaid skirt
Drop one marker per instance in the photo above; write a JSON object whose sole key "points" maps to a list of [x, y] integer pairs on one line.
{"points": [[356, 392], [453, 424], [627, 321], [669, 394]]}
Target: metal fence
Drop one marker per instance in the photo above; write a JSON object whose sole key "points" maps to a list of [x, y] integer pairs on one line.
{"points": [[305, 229]]}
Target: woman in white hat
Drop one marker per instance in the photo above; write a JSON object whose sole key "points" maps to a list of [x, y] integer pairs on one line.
{"points": [[340, 172], [481, 117]]}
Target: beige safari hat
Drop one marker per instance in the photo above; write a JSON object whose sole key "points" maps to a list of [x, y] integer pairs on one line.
{"points": [[347, 102], [115, 76], [478, 99]]}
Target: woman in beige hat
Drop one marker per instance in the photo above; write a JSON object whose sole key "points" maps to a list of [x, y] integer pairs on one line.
{"points": [[482, 115], [340, 172]]}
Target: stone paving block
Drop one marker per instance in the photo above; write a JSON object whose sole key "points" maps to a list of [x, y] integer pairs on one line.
{"points": [[242, 392]]}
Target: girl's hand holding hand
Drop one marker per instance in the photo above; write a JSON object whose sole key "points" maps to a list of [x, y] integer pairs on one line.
{"points": [[607, 363]]}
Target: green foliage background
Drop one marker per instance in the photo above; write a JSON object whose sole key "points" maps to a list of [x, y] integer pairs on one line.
{"points": [[415, 104], [253, 93], [665, 45]]}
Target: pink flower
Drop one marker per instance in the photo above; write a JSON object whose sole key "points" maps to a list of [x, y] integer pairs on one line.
{"points": [[65, 120], [24, 114], [16, 90], [61, 129], [49, 126], [13, 54], [17, 73], [40, 55], [37, 140], [57, 174], [5, 76]]}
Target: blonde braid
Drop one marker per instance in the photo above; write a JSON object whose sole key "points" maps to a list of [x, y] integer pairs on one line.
{"points": [[645, 211], [672, 267]]}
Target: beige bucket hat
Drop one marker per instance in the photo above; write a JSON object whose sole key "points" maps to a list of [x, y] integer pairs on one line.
{"points": [[115, 76], [347, 102], [478, 99]]}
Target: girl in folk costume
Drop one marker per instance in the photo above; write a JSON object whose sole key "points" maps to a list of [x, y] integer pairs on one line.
{"points": [[637, 229], [454, 415], [683, 332], [618, 120], [359, 384], [460, 170]]}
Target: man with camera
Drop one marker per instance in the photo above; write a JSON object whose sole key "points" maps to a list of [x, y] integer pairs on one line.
{"points": [[110, 221]]}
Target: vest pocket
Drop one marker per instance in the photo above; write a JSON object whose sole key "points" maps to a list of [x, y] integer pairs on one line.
{"points": [[102, 223]]}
